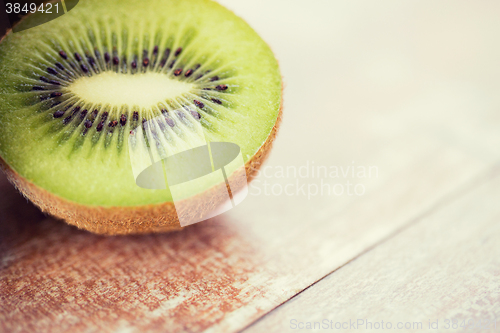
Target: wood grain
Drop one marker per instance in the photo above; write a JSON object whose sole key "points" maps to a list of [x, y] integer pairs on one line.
{"points": [[444, 267], [219, 275]]}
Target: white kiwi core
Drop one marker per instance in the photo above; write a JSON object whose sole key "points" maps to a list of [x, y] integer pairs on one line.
{"points": [[141, 90]]}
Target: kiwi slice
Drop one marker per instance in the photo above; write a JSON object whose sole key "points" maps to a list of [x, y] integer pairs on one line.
{"points": [[74, 90]]}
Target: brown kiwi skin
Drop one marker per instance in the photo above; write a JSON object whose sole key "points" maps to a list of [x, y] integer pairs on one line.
{"points": [[133, 220]]}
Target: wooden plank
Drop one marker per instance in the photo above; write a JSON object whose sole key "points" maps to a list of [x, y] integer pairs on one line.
{"points": [[443, 270], [218, 275]]}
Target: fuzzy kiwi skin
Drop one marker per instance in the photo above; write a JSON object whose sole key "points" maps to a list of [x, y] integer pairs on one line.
{"points": [[132, 220]]}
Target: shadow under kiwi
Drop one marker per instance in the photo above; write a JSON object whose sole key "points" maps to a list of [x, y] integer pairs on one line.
{"points": [[22, 224]]}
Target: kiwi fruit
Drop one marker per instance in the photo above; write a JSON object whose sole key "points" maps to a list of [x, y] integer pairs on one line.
{"points": [[74, 90]]}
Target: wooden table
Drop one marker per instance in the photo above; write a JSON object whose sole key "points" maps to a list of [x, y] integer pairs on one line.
{"points": [[405, 89]]}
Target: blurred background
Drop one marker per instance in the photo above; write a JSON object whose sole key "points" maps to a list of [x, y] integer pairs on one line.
{"points": [[379, 83]]}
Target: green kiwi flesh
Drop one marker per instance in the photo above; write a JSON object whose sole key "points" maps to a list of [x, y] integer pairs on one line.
{"points": [[73, 89]]}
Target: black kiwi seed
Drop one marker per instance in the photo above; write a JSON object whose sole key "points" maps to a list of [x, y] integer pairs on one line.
{"points": [[163, 62], [134, 64], [56, 94], [91, 61], [67, 120], [145, 62], [123, 119], [136, 116], [84, 68], [44, 79], [94, 113], [199, 76], [52, 71], [188, 73], [104, 116], [88, 123], [215, 100], [100, 126], [199, 104], [195, 114], [116, 60], [59, 65], [63, 55], [112, 123], [83, 114], [78, 57], [215, 78], [55, 83], [178, 51], [221, 87], [178, 72], [97, 53], [37, 88], [172, 64], [58, 114], [155, 50], [107, 58], [75, 111], [170, 122]]}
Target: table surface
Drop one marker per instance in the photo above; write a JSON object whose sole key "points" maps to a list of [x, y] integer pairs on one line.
{"points": [[403, 93]]}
